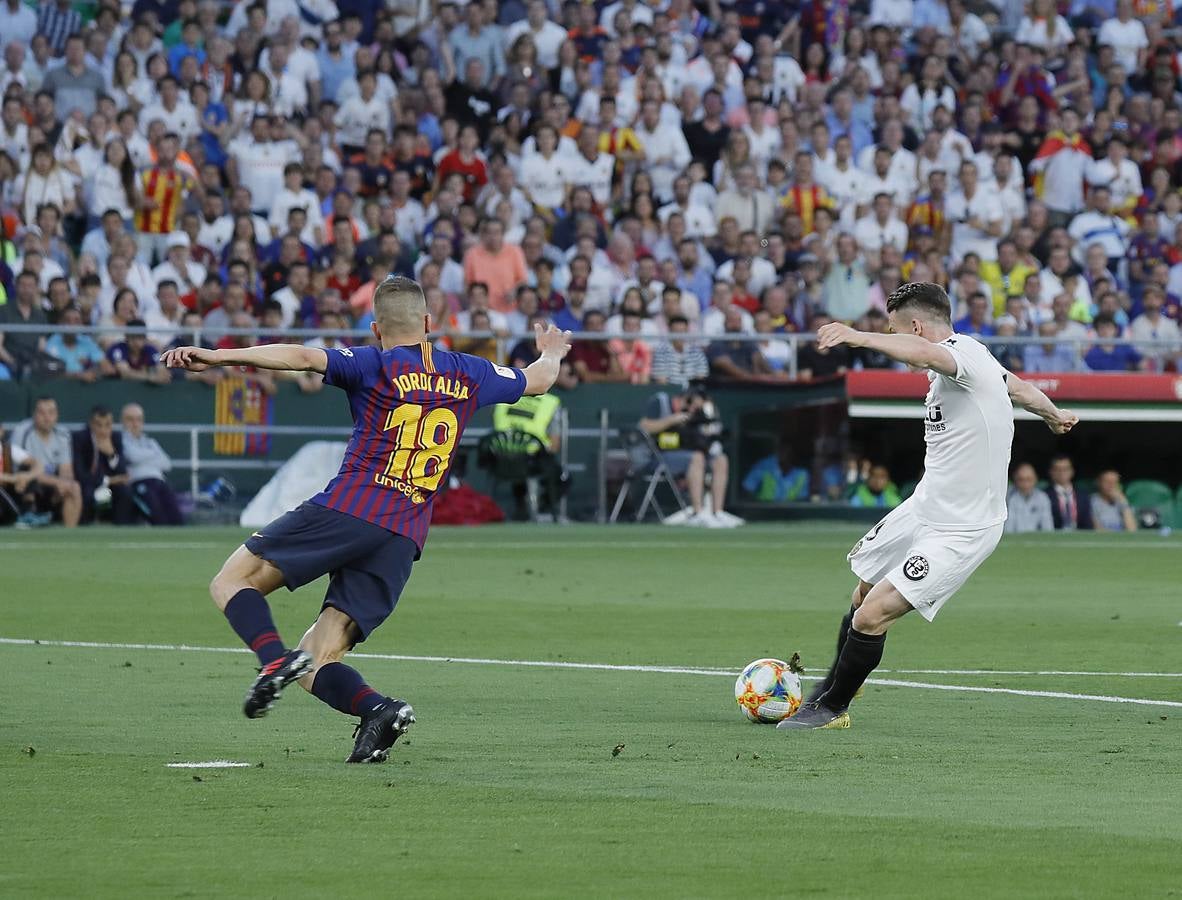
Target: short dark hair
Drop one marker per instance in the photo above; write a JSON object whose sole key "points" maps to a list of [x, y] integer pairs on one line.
{"points": [[98, 412], [928, 297]]}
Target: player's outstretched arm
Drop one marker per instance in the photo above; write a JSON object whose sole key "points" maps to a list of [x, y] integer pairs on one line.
{"points": [[905, 348], [541, 374], [1031, 399], [281, 357]]}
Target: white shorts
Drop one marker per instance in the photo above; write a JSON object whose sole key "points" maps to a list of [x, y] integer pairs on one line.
{"points": [[926, 565]]}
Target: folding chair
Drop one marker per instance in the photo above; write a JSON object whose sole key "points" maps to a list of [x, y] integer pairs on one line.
{"points": [[645, 464], [508, 458]]}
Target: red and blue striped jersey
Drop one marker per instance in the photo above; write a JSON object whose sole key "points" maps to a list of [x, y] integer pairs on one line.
{"points": [[410, 405]]}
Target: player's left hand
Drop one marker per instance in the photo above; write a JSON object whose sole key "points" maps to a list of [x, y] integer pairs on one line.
{"points": [[1063, 421], [552, 340], [834, 335], [192, 359]]}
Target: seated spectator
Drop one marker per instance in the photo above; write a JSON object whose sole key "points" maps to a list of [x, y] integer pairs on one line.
{"points": [[774, 479], [1009, 355], [1050, 356], [1107, 356], [977, 321], [866, 358], [1071, 507], [1029, 508], [1110, 509], [18, 479], [777, 353], [738, 360], [484, 347], [1160, 333], [19, 350], [101, 469], [677, 361], [134, 359], [499, 265], [147, 464], [813, 362], [82, 358], [876, 490], [686, 429], [593, 361], [634, 354], [49, 446]]}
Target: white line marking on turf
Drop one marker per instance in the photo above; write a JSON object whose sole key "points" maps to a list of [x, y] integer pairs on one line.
{"points": [[212, 764], [671, 670]]}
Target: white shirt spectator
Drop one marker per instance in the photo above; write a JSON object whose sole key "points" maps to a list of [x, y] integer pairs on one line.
{"points": [[714, 322], [874, 235], [985, 206], [1124, 182], [166, 271], [699, 220], [973, 35], [763, 274], [1126, 39], [19, 25], [919, 104], [182, 119], [892, 13], [548, 39], [666, 153], [753, 212], [846, 186], [291, 304], [1051, 286], [409, 220], [357, 116], [107, 192], [1093, 227], [451, 274], [787, 79], [1063, 177], [545, 180], [596, 175], [216, 235], [260, 168], [1165, 329], [285, 201], [497, 321], [1035, 33]]}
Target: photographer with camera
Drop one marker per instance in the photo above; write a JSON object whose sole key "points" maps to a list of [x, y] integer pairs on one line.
{"points": [[687, 431]]}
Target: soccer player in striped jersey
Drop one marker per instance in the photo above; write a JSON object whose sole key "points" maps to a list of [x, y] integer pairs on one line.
{"points": [[410, 404]]}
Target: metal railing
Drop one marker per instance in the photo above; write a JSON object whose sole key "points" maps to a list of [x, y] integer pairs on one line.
{"points": [[1078, 345]]}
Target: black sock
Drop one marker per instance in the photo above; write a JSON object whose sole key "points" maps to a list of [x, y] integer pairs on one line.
{"points": [[859, 657], [343, 688], [827, 682], [250, 617]]}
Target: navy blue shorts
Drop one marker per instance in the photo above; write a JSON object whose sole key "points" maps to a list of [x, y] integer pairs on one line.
{"points": [[368, 565]]}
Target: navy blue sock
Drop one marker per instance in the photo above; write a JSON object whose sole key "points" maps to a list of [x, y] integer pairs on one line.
{"points": [[343, 688], [250, 617]]}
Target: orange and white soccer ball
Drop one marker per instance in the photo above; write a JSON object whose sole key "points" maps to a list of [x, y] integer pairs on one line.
{"points": [[768, 691]]}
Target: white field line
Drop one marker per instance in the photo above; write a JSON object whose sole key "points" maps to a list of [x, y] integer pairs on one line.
{"points": [[837, 542], [211, 764], [670, 670]]}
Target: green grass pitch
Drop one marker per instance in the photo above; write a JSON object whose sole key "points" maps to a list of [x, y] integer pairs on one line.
{"points": [[508, 786]]}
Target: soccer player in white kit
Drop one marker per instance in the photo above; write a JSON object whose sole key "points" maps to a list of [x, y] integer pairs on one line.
{"points": [[926, 548]]}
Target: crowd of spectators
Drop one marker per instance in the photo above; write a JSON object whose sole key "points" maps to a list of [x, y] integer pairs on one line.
{"points": [[644, 168], [96, 472], [1063, 505]]}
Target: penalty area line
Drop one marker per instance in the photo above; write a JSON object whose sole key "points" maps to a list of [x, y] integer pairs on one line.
{"points": [[664, 670]]}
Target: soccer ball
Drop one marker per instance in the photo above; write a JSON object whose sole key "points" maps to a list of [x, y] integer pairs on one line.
{"points": [[768, 691]]}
